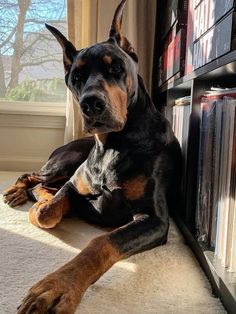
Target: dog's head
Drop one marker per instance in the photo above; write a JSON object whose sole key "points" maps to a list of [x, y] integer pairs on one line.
{"points": [[102, 78]]}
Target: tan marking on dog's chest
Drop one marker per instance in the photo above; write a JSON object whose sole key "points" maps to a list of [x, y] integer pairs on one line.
{"points": [[134, 188], [101, 137], [82, 187]]}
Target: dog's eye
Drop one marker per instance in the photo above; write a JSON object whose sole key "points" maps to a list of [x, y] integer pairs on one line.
{"points": [[77, 77], [115, 68]]}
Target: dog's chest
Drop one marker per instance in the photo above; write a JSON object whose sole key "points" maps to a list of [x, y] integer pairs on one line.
{"points": [[111, 178], [97, 173]]}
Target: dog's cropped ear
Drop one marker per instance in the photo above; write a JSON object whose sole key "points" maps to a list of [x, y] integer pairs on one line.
{"points": [[116, 32], [69, 50]]}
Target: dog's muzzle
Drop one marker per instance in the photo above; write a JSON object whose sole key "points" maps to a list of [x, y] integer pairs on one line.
{"points": [[94, 110], [97, 115], [92, 106]]}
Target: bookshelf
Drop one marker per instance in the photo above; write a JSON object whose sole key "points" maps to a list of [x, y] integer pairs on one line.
{"points": [[220, 72]]}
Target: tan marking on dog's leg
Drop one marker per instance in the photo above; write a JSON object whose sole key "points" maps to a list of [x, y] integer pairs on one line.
{"points": [[17, 193], [42, 193], [64, 288], [47, 212]]}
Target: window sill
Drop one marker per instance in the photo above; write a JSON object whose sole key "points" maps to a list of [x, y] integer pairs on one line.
{"points": [[33, 109], [29, 132], [33, 115]]}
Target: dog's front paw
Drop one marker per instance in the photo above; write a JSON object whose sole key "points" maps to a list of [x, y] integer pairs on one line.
{"points": [[53, 294], [15, 196], [46, 214]]}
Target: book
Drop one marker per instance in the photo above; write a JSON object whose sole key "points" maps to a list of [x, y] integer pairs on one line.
{"points": [[207, 13], [232, 264], [175, 12], [210, 22], [228, 186], [178, 116], [205, 173], [216, 174], [172, 59], [207, 47]]}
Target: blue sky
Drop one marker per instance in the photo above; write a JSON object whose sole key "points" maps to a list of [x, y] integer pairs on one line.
{"points": [[40, 11]]}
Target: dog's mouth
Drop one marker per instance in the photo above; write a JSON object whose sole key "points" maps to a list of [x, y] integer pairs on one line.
{"points": [[93, 126], [98, 125]]}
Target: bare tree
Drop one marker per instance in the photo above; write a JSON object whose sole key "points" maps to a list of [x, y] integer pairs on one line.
{"points": [[23, 36]]}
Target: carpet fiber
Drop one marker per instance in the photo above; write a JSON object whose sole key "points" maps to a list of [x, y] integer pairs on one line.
{"points": [[166, 279]]}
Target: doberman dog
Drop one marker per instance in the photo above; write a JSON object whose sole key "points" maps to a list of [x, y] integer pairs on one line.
{"points": [[126, 175]]}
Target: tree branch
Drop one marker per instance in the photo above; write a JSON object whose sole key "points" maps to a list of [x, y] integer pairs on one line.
{"points": [[29, 64], [40, 37], [37, 21], [6, 41]]}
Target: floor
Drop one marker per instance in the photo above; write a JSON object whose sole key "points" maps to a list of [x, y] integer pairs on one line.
{"points": [[165, 280]]}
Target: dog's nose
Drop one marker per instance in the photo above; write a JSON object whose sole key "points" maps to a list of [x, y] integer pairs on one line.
{"points": [[92, 106]]}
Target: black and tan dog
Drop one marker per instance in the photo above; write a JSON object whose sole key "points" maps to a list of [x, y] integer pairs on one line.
{"points": [[126, 176]]}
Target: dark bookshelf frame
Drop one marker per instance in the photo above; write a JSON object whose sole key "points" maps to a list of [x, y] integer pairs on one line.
{"points": [[220, 72]]}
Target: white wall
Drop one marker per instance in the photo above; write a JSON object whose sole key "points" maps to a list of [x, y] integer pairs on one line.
{"points": [[28, 134]]}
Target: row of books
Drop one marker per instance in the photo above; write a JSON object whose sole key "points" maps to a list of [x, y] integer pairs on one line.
{"points": [[216, 192], [173, 36], [210, 31], [216, 195], [194, 33], [178, 117]]}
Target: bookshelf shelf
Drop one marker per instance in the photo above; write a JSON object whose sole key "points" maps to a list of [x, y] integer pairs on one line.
{"points": [[221, 72], [222, 282], [222, 69], [223, 278]]}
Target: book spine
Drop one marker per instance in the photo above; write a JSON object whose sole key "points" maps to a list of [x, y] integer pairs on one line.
{"points": [[223, 210], [232, 266], [216, 167], [189, 40], [231, 184], [227, 210], [200, 214]]}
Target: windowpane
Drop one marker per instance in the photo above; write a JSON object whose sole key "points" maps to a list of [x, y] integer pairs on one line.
{"points": [[31, 66]]}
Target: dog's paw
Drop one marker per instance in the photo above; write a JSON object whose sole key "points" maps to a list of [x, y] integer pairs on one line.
{"points": [[45, 214], [15, 196], [53, 294]]}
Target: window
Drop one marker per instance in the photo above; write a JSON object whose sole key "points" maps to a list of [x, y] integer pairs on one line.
{"points": [[31, 68]]}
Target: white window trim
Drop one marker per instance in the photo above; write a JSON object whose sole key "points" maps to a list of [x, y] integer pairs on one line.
{"points": [[33, 115], [30, 108]]}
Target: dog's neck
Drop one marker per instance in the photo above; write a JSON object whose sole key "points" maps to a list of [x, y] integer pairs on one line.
{"points": [[143, 104]]}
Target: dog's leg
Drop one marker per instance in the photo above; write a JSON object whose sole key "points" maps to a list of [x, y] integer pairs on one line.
{"points": [[61, 165], [61, 291], [50, 207], [17, 193]]}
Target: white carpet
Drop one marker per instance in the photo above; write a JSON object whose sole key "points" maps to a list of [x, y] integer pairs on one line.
{"points": [[166, 279]]}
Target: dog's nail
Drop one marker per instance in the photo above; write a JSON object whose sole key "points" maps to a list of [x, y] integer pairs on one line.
{"points": [[18, 307]]}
